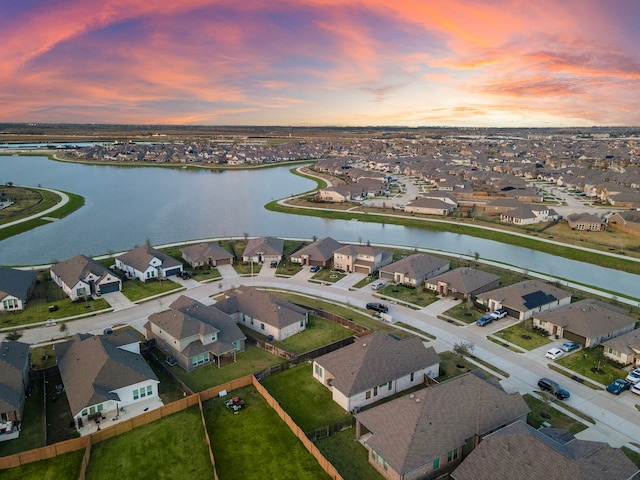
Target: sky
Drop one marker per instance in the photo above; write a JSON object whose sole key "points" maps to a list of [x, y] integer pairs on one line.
{"points": [[501, 63]]}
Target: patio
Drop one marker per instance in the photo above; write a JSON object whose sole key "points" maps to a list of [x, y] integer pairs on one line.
{"points": [[125, 413]]}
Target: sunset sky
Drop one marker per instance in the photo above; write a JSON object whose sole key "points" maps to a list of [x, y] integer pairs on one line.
{"points": [[321, 62]]}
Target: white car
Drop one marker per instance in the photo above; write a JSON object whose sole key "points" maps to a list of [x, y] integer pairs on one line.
{"points": [[555, 353], [634, 376], [635, 388]]}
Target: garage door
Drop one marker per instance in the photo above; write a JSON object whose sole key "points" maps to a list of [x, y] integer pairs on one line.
{"points": [[358, 269], [223, 261], [110, 287], [574, 338], [173, 271]]}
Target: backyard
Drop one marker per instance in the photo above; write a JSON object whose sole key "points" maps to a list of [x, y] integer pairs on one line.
{"points": [[349, 456], [57, 468]]}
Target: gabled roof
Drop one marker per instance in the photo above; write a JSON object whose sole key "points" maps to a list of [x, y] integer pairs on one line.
{"points": [[139, 258], [526, 295], [78, 268], [627, 343], [588, 318], [416, 266], [465, 279], [320, 250], [375, 360], [14, 357], [16, 283], [412, 430], [520, 451], [263, 246], [92, 368], [434, 203], [204, 251], [353, 250], [260, 305], [585, 218]]}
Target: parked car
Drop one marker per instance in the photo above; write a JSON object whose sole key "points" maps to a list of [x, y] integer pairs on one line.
{"points": [[314, 268], [377, 307], [107, 331], [554, 388], [570, 346], [635, 388], [185, 275], [485, 320], [50, 323], [554, 353], [274, 264], [634, 376], [377, 285], [499, 313], [618, 386]]}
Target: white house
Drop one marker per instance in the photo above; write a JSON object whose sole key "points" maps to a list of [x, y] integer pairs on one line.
{"points": [[15, 288], [146, 262], [81, 277]]}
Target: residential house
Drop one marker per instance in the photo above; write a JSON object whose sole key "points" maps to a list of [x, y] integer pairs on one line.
{"points": [[627, 221], [81, 277], [263, 250], [14, 381], [525, 299], [529, 214], [206, 255], [148, 263], [267, 314], [16, 286], [338, 194], [414, 269], [376, 366], [463, 282], [586, 222], [195, 334], [521, 451], [588, 322], [430, 206], [624, 349], [426, 434], [104, 373], [318, 253], [361, 259]]}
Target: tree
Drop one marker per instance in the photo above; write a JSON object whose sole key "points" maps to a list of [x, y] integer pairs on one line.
{"points": [[14, 335], [463, 349], [63, 328]]}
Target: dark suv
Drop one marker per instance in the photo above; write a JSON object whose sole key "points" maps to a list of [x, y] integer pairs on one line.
{"points": [[554, 388], [377, 307]]}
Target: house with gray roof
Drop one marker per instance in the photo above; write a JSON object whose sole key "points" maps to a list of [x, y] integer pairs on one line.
{"points": [[206, 255], [263, 250], [414, 269], [376, 366], [147, 263], [102, 373], [15, 360], [429, 206], [318, 253], [462, 282], [195, 334], [588, 322], [627, 221], [16, 286], [586, 222], [265, 313], [520, 451], [624, 349], [426, 434], [525, 299], [81, 277], [361, 259]]}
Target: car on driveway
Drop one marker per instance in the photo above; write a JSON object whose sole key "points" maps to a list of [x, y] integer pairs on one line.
{"points": [[377, 307], [618, 386], [634, 376], [570, 346], [554, 353], [635, 388], [485, 320], [499, 313], [314, 268], [554, 388]]}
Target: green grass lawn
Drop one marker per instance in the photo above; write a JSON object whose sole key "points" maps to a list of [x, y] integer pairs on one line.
{"points": [[252, 360], [255, 443], [364, 282], [514, 334], [586, 367], [304, 398], [167, 390], [287, 268], [464, 313], [32, 428], [38, 311], [417, 296], [136, 290], [205, 275], [247, 268], [43, 357], [348, 456], [61, 467], [170, 448], [329, 276], [543, 412]]}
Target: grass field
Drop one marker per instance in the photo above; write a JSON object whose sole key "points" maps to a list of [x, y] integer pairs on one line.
{"points": [[170, 448], [136, 290], [544, 412], [255, 444], [519, 335], [348, 456], [415, 296], [585, 362], [61, 467]]}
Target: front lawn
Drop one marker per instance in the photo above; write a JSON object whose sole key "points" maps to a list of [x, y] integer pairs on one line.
{"points": [[255, 443], [304, 398], [38, 311], [585, 362], [248, 268], [287, 268], [199, 275], [348, 455], [327, 275], [136, 290], [169, 448], [252, 360], [464, 313], [59, 467], [524, 337], [542, 411], [417, 296]]}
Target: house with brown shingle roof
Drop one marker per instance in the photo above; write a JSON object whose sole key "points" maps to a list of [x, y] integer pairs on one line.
{"points": [[624, 349], [525, 299], [463, 282], [266, 314], [263, 250], [427, 433], [81, 277], [16, 286], [520, 451], [627, 221], [318, 253], [414, 269], [206, 255], [586, 222], [102, 373], [14, 381], [588, 322], [361, 259], [147, 263], [376, 366], [195, 334], [429, 206]]}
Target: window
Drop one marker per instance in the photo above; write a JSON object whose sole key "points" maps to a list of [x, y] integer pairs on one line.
{"points": [[149, 390], [436, 463], [319, 371], [452, 455], [143, 392], [262, 326], [411, 377], [389, 385], [92, 409], [237, 344], [302, 322], [135, 394], [84, 412], [367, 395], [100, 408], [214, 337]]}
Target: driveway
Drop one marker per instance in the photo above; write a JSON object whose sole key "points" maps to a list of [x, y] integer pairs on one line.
{"points": [[350, 280], [118, 301], [227, 271]]}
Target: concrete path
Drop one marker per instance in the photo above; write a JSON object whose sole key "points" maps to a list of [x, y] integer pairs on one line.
{"points": [[64, 200], [118, 301]]}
